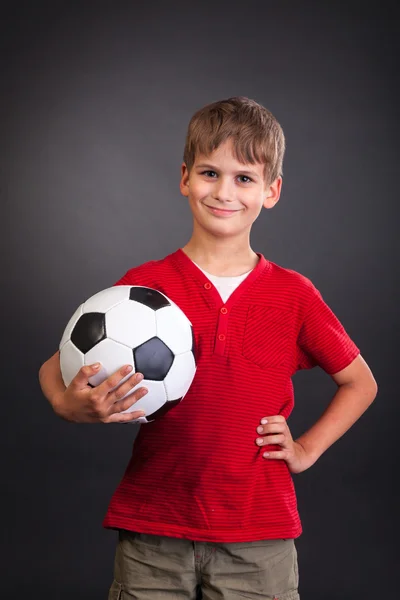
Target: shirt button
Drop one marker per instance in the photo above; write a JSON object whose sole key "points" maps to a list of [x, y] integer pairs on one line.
{"points": [[224, 310], [221, 337], [207, 285]]}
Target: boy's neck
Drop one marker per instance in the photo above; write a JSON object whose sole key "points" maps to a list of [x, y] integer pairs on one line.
{"points": [[222, 258]]}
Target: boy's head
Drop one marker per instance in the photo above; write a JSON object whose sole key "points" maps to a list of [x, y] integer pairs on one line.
{"points": [[255, 134], [232, 165]]}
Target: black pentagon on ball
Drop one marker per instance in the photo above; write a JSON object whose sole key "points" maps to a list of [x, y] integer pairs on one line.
{"points": [[153, 359], [89, 330], [151, 298]]}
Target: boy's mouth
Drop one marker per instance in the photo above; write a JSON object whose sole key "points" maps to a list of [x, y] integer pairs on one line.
{"points": [[222, 212]]}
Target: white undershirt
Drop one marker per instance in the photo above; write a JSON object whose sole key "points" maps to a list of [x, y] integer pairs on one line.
{"points": [[224, 285]]}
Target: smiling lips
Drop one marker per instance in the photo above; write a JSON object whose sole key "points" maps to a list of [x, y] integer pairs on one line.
{"points": [[222, 212]]}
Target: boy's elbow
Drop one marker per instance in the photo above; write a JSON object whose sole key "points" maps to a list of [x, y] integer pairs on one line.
{"points": [[47, 365], [368, 387], [43, 368], [373, 388], [41, 373], [358, 376]]}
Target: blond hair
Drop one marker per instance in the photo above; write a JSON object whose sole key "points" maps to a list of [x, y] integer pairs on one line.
{"points": [[256, 135]]}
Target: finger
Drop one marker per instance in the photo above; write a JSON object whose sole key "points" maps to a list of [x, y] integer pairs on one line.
{"points": [[81, 379], [126, 417], [277, 454], [121, 405], [270, 439], [125, 388], [111, 382], [272, 428], [273, 419]]}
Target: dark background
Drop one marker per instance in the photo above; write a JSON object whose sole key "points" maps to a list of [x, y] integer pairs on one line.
{"points": [[95, 102]]}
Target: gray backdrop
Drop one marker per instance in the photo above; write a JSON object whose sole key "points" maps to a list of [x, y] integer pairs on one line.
{"points": [[95, 101]]}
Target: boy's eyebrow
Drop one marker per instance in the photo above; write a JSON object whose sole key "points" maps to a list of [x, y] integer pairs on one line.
{"points": [[213, 168]]}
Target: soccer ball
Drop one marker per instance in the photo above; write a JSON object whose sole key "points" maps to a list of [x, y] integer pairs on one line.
{"points": [[133, 325]]}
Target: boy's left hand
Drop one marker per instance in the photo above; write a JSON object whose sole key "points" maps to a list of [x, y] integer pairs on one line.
{"points": [[276, 431]]}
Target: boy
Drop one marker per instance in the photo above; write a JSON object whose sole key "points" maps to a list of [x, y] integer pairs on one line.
{"points": [[207, 500]]}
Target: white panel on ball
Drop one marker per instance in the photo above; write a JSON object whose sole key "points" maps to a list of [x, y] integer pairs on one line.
{"points": [[106, 299], [112, 357], [180, 376], [71, 360], [153, 400], [70, 325], [131, 323], [173, 328]]}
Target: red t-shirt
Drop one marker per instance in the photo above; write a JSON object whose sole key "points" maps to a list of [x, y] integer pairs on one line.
{"points": [[197, 473]]}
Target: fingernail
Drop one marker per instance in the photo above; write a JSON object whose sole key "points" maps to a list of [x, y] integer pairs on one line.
{"points": [[128, 369], [260, 429], [259, 441], [265, 454], [264, 421], [96, 366], [139, 377]]}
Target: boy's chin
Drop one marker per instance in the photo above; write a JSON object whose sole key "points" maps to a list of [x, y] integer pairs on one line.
{"points": [[224, 231]]}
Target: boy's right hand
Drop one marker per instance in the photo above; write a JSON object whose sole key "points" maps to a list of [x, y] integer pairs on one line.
{"points": [[81, 403]]}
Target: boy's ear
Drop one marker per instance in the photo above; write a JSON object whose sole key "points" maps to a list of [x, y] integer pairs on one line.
{"points": [[184, 184], [273, 193]]}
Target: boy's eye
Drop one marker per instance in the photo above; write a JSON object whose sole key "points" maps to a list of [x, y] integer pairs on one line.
{"points": [[245, 177], [212, 174]]}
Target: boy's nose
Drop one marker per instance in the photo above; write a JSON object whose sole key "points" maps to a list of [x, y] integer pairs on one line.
{"points": [[223, 191]]}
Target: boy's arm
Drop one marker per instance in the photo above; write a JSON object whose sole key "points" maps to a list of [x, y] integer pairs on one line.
{"points": [[357, 389]]}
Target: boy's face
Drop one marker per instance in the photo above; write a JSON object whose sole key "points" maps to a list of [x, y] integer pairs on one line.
{"points": [[226, 196]]}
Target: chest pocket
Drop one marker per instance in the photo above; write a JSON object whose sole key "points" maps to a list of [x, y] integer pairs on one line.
{"points": [[267, 338]]}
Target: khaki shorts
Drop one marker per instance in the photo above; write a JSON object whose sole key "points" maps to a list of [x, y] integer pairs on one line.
{"points": [[150, 567]]}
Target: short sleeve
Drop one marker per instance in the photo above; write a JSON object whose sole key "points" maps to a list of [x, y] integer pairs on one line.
{"points": [[124, 280], [322, 340], [140, 275]]}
